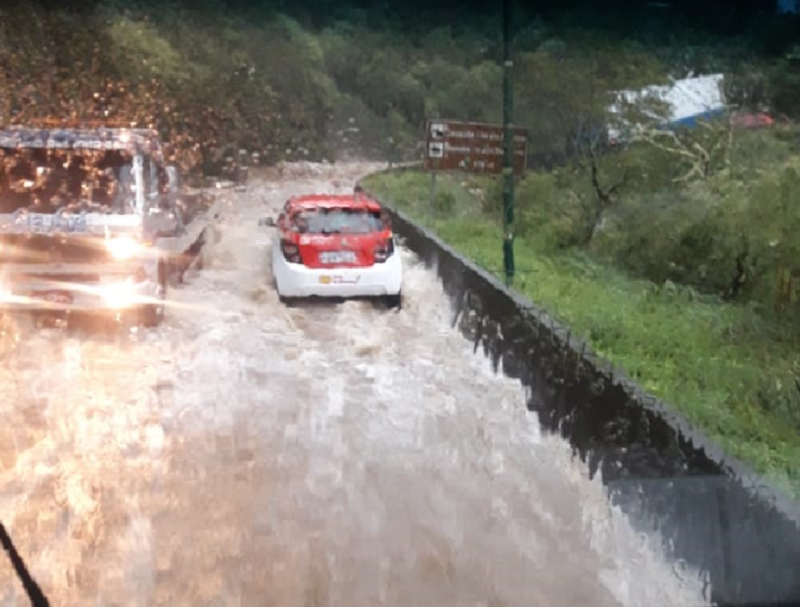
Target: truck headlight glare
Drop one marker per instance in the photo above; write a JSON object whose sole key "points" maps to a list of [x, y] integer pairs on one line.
{"points": [[123, 247]]}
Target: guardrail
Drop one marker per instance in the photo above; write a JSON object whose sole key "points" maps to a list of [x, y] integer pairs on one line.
{"points": [[710, 509]]}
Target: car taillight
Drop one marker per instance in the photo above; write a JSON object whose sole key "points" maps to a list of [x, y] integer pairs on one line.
{"points": [[290, 252], [384, 250]]}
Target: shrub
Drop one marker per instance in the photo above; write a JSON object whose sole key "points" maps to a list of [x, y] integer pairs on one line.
{"points": [[444, 203]]}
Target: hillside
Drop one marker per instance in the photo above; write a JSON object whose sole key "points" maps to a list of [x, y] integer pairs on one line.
{"points": [[314, 80]]}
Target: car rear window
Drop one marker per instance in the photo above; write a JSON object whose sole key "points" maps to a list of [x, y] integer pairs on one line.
{"points": [[337, 221]]}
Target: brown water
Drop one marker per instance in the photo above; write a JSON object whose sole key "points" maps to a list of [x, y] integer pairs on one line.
{"points": [[249, 454]]}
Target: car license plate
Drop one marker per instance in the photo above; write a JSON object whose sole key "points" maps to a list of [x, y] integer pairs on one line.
{"points": [[340, 280], [56, 297], [337, 257]]}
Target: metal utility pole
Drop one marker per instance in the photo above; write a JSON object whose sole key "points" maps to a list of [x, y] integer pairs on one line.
{"points": [[508, 146]]}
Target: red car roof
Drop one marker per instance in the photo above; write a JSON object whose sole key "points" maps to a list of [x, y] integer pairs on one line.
{"points": [[335, 201]]}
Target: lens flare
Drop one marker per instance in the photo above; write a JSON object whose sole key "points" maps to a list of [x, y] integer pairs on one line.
{"points": [[124, 247]]}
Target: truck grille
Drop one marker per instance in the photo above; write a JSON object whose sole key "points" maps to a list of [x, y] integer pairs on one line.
{"points": [[38, 249]]}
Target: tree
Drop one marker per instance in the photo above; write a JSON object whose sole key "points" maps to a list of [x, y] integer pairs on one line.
{"points": [[703, 151], [570, 88]]}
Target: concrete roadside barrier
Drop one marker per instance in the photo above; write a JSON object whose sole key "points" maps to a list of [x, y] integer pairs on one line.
{"points": [[711, 511]]}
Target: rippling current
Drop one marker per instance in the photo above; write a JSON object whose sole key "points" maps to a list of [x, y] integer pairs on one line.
{"points": [[245, 453]]}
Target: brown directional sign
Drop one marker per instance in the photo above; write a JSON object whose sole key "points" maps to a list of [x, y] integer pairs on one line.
{"points": [[471, 147]]}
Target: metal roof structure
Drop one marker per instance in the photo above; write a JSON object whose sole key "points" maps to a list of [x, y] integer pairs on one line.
{"points": [[688, 100]]}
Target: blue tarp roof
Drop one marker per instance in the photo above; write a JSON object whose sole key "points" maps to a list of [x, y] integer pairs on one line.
{"points": [[688, 100]]}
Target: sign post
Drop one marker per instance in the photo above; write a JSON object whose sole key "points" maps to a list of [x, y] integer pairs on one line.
{"points": [[472, 147], [433, 195], [482, 149]]}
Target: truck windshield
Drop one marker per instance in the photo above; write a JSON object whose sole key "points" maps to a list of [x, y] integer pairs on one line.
{"points": [[46, 180], [336, 221]]}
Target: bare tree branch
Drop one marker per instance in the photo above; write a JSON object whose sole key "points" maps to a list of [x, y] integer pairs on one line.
{"points": [[716, 144]]}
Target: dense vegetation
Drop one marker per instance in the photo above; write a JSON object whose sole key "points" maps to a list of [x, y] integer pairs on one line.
{"points": [[676, 256], [286, 78]]}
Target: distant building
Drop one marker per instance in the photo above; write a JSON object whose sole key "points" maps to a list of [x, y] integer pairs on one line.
{"points": [[688, 101]]}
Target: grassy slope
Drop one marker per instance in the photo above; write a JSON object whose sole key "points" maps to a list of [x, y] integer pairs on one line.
{"points": [[705, 358]]}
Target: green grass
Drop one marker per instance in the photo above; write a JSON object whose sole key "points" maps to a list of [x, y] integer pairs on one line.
{"points": [[718, 364]]}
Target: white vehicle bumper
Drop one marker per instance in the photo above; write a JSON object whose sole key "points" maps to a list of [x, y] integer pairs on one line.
{"points": [[296, 280], [114, 291]]}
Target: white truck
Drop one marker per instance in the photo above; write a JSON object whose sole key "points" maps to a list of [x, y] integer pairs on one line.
{"points": [[92, 220]]}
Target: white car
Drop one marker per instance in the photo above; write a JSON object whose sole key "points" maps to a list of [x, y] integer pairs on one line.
{"points": [[336, 246]]}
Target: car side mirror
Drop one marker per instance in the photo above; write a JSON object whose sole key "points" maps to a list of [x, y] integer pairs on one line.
{"points": [[267, 221]]}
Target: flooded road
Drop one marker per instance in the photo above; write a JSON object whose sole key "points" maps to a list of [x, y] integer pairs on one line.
{"points": [[249, 454]]}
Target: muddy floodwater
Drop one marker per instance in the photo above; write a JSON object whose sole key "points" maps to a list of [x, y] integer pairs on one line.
{"points": [[245, 453]]}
